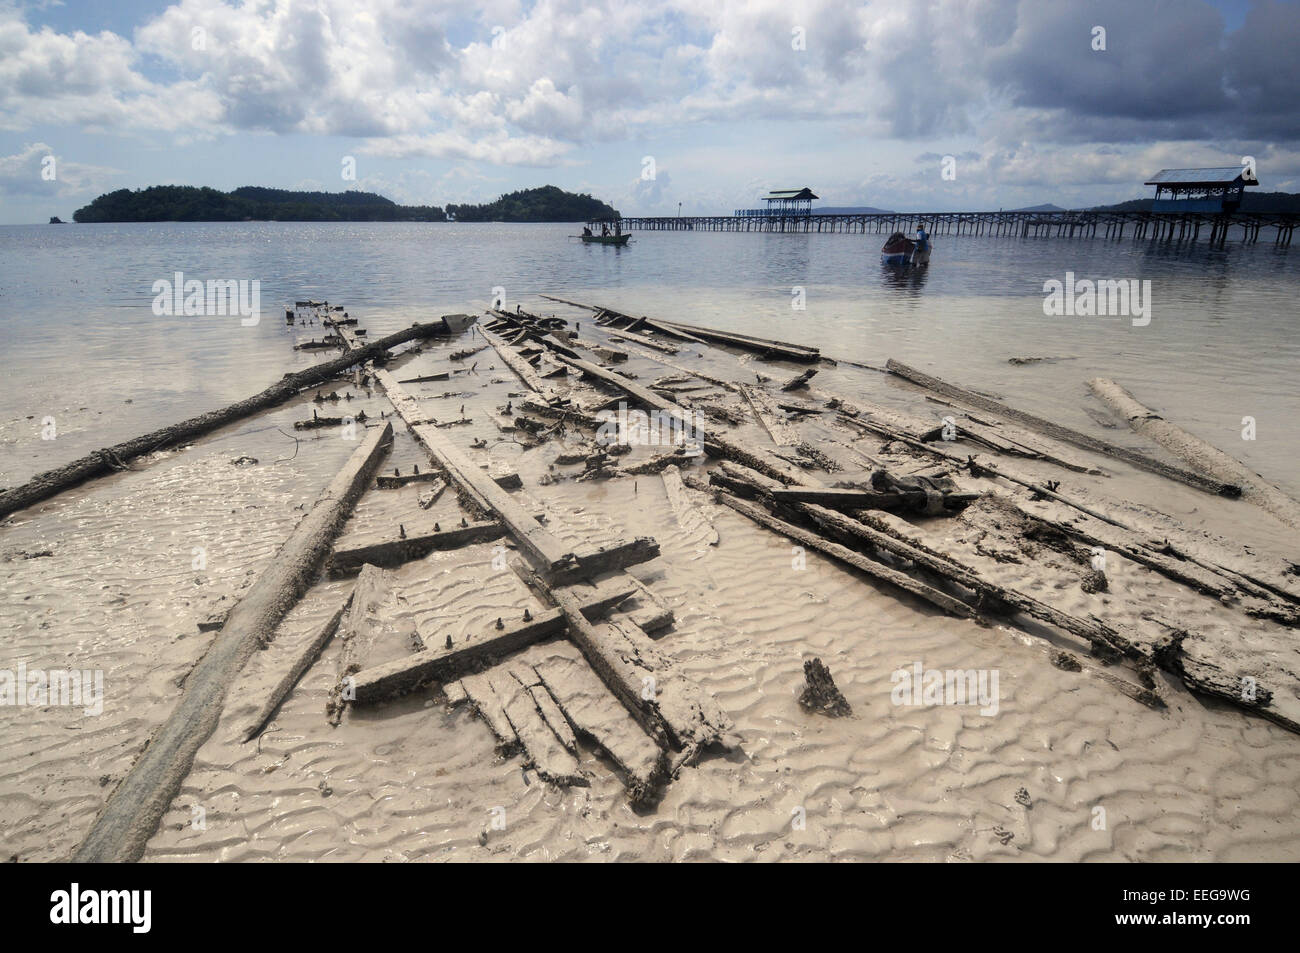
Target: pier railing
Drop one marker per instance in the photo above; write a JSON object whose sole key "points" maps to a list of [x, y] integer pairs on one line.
{"points": [[1156, 225]]}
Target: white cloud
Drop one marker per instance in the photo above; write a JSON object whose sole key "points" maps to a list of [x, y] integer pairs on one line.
{"points": [[37, 170], [533, 85]]}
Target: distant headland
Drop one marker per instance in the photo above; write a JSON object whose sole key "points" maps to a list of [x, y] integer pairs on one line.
{"points": [[187, 203]]}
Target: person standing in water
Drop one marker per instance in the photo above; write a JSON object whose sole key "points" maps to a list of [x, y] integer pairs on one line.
{"points": [[922, 239]]}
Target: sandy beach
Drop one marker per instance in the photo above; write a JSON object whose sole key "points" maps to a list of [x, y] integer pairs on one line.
{"points": [[1067, 768]]}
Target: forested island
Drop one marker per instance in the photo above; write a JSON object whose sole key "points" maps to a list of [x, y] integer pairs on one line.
{"points": [[187, 203]]}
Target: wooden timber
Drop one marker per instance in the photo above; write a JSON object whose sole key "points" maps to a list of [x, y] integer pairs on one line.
{"points": [[136, 806], [1065, 434], [395, 552], [1197, 452], [438, 663], [114, 458]]}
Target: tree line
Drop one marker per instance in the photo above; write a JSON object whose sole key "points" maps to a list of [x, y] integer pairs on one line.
{"points": [[187, 203]]}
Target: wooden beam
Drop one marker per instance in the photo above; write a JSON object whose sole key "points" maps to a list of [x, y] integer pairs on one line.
{"points": [[302, 660], [782, 434], [114, 458], [864, 499], [843, 554], [521, 367], [395, 552], [138, 803], [1210, 459], [1064, 433], [402, 675], [543, 548]]}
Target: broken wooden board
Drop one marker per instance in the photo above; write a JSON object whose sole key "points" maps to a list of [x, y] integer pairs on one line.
{"points": [[782, 434], [765, 347], [599, 717], [689, 516], [642, 339], [395, 482], [307, 653], [364, 622], [598, 559], [551, 713], [492, 710], [521, 367], [1065, 434], [865, 499], [541, 748], [876, 570]]}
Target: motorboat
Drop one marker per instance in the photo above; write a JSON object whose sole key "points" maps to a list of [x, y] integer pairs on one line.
{"points": [[903, 252]]}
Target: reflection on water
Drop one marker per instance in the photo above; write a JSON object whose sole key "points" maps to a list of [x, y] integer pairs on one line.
{"points": [[906, 280], [78, 331]]}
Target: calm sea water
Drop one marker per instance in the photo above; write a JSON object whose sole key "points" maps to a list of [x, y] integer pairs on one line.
{"points": [[82, 344]]}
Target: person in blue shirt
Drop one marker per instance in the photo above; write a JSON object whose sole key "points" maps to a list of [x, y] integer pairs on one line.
{"points": [[922, 239]]}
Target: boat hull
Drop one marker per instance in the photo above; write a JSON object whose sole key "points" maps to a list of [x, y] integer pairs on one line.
{"points": [[903, 252], [604, 239]]}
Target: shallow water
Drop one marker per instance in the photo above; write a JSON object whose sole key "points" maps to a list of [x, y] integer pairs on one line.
{"points": [[82, 344]]}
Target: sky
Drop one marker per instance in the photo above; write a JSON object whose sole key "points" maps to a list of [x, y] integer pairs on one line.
{"points": [[917, 105]]}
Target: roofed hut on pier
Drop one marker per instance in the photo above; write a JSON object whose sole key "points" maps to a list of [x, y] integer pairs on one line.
{"points": [[1201, 190], [783, 202]]}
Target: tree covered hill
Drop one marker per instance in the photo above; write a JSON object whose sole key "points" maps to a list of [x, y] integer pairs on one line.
{"points": [[187, 203], [547, 204]]}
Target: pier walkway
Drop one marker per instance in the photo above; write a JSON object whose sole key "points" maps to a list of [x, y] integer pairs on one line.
{"points": [[1182, 226]]}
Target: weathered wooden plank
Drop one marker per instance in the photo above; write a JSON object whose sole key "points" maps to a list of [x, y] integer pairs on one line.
{"points": [[395, 552], [302, 660], [437, 662], [588, 704], [847, 556], [521, 367], [134, 809], [481, 694], [782, 434], [689, 517], [642, 339], [864, 499], [542, 749], [550, 711], [365, 622], [402, 675], [395, 482], [1065, 434], [594, 560], [1208, 458]]}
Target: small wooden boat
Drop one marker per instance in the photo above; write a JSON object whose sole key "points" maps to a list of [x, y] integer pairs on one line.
{"points": [[605, 239], [902, 252]]}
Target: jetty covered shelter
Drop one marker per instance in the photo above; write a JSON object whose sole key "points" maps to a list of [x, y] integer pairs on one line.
{"points": [[783, 202], [1200, 190]]}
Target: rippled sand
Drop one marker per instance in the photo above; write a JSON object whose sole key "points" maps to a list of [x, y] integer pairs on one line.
{"points": [[413, 780]]}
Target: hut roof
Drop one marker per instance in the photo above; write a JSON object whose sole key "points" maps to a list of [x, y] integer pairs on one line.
{"points": [[1225, 175], [777, 195]]}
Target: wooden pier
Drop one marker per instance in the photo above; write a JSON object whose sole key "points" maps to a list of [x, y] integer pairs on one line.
{"points": [[1181, 226]]}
